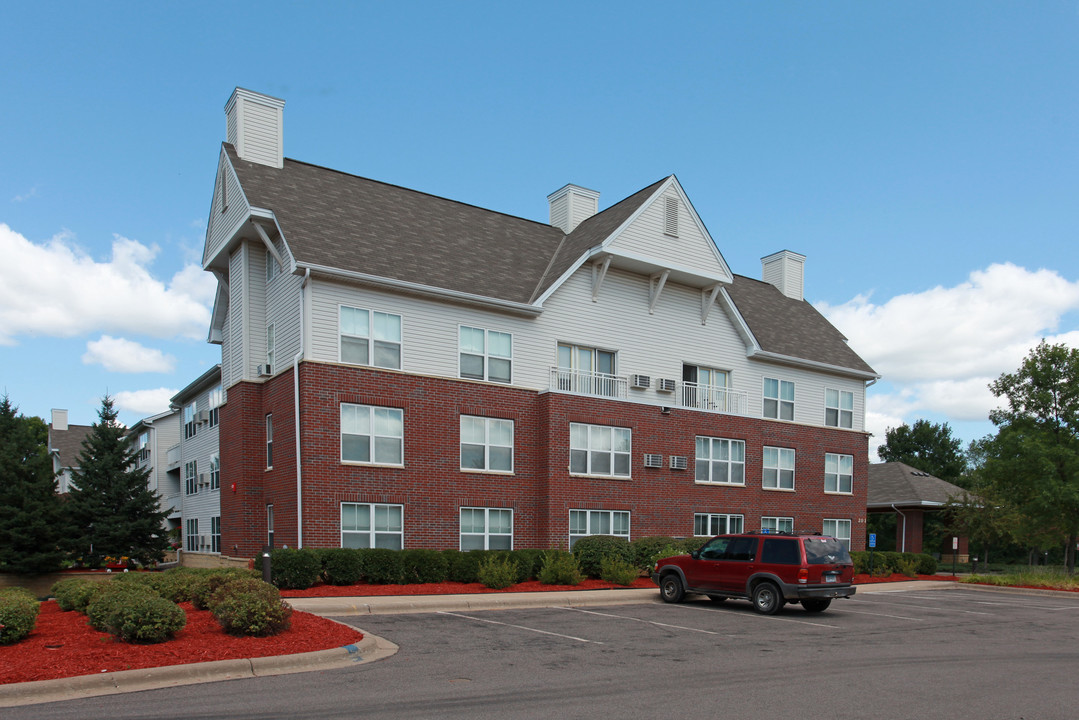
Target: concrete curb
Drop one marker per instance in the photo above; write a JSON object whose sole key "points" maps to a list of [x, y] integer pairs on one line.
{"points": [[401, 604]]}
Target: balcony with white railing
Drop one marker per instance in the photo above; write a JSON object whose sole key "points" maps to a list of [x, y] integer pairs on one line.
{"points": [[172, 457], [714, 399], [586, 382]]}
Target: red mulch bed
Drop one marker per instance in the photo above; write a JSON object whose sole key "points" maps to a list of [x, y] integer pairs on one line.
{"points": [[449, 588], [64, 645]]}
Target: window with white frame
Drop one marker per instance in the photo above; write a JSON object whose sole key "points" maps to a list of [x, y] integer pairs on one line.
{"points": [[709, 524], [838, 473], [778, 399], [215, 534], [777, 524], [191, 477], [271, 347], [371, 434], [269, 441], [190, 427], [839, 529], [778, 468], [272, 268], [486, 529], [599, 450], [486, 444], [191, 542], [215, 471], [721, 461], [370, 338], [485, 354], [216, 400], [372, 525], [586, 370], [705, 388], [838, 408], [597, 522]]}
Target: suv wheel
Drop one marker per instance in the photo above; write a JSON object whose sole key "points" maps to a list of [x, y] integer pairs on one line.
{"points": [[670, 588], [815, 605], [766, 598]]}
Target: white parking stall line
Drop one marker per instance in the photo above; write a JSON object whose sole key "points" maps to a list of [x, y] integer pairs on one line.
{"points": [[896, 617], [647, 622], [926, 607], [520, 627], [759, 616]]}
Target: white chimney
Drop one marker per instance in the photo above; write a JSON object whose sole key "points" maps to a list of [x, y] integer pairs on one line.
{"points": [[254, 124], [59, 419], [572, 205], [785, 270]]}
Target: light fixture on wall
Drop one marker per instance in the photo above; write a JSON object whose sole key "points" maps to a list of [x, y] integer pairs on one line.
{"points": [[666, 410]]}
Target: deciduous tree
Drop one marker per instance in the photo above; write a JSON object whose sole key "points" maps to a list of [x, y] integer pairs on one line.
{"points": [[926, 446]]}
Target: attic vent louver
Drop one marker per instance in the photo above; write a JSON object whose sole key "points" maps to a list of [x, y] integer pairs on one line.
{"points": [[670, 219]]}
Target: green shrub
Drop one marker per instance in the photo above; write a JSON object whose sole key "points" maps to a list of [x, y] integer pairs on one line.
{"points": [[529, 561], [342, 566], [591, 550], [618, 571], [72, 593], [110, 596], [294, 569], [645, 549], [204, 584], [927, 564], [423, 566], [246, 606], [463, 567], [664, 552], [498, 572], [383, 566], [560, 568], [146, 619], [18, 614], [908, 566]]}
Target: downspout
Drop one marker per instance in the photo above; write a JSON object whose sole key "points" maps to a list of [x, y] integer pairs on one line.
{"points": [[296, 419], [904, 548]]}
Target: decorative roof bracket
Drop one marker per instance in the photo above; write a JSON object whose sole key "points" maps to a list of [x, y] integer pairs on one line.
{"points": [[708, 301], [599, 271], [655, 289]]}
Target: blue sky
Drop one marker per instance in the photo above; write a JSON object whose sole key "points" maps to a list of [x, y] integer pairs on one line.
{"points": [[924, 156]]}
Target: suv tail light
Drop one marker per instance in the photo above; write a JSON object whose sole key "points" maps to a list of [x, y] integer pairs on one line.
{"points": [[803, 576]]}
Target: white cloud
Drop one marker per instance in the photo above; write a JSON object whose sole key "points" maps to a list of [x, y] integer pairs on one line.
{"points": [[144, 402], [23, 197], [120, 355], [57, 290]]}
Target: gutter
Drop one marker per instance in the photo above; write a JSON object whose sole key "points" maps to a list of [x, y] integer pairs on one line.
{"points": [[904, 549]]}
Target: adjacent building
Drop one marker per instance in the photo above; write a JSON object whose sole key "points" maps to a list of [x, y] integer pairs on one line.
{"points": [[65, 447], [152, 439], [196, 462]]}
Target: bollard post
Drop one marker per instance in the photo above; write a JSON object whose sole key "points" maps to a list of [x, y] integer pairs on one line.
{"points": [[266, 566]]}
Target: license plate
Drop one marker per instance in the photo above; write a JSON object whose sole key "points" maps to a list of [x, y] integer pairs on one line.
{"points": [[829, 578]]}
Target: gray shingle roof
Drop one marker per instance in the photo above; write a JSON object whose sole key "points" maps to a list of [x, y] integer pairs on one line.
{"points": [[68, 443], [899, 483]]}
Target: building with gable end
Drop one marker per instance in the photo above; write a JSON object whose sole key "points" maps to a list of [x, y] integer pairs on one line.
{"points": [[403, 370]]}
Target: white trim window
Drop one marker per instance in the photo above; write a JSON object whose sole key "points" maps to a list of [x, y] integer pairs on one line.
{"points": [[369, 338], [839, 529], [838, 473], [215, 471], [486, 529], [709, 524], [583, 523], [587, 370], [599, 450], [486, 444], [190, 427], [191, 541], [778, 399], [191, 477], [777, 525], [271, 347], [372, 435], [485, 354], [720, 461], [216, 400], [272, 268], [269, 441], [370, 525], [838, 408], [778, 471], [215, 534]]}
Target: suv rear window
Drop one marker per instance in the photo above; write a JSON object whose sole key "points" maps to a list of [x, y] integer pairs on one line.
{"points": [[825, 550], [780, 551]]}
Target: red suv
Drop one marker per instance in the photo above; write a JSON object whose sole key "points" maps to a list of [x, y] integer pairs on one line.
{"points": [[769, 569]]}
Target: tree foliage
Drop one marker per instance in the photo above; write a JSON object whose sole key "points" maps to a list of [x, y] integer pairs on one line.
{"points": [[926, 446], [30, 512], [111, 508]]}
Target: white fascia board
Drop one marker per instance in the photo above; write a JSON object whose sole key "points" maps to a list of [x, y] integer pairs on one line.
{"points": [[759, 354], [257, 212], [530, 310], [709, 278], [906, 504]]}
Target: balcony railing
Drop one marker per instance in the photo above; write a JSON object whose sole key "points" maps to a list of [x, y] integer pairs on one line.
{"points": [[587, 382], [172, 457], [714, 399]]}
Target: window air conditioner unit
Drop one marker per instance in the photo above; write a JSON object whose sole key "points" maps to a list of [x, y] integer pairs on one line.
{"points": [[202, 416], [264, 370], [640, 382], [666, 385], [653, 461], [204, 478], [204, 539], [679, 462]]}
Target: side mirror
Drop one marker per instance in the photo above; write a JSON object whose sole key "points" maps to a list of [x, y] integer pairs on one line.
{"points": [[696, 554]]}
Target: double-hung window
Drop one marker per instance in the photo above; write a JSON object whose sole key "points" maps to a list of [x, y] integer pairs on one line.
{"points": [[486, 529], [709, 524], [191, 542], [486, 444], [269, 441], [597, 522], [838, 408], [370, 338], [777, 524], [271, 347], [216, 400], [778, 399], [599, 450], [838, 473], [778, 468], [215, 534], [721, 461], [190, 427], [839, 529], [485, 354], [215, 471], [371, 525], [372, 434], [191, 477]]}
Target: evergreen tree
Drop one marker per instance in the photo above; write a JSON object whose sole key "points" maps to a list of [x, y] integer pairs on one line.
{"points": [[30, 513], [111, 507], [926, 446]]}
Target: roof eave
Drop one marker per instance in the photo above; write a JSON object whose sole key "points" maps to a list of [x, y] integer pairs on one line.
{"points": [[812, 364]]}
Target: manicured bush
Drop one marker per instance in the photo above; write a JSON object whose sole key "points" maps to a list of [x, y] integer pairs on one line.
{"points": [[618, 571], [109, 597], [294, 569], [689, 544], [927, 564], [72, 593], [205, 584], [342, 566], [146, 619], [591, 550], [645, 549], [908, 566], [560, 568], [423, 566], [529, 561], [246, 606], [18, 614], [383, 566], [498, 572], [463, 567], [177, 584]]}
